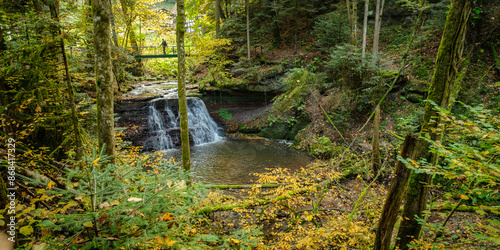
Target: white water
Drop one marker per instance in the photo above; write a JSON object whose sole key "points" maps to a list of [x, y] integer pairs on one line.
{"points": [[164, 126]]}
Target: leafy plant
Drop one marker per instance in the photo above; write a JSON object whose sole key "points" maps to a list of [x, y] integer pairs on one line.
{"points": [[225, 114]]}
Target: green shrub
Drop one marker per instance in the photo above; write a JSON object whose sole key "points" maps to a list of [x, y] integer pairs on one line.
{"points": [[225, 114], [321, 148], [122, 207], [331, 29]]}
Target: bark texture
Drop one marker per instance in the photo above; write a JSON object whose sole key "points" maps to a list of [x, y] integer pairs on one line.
{"points": [[445, 73], [181, 82], [394, 197], [101, 11]]}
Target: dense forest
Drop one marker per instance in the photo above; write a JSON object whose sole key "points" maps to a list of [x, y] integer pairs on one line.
{"points": [[393, 104]]}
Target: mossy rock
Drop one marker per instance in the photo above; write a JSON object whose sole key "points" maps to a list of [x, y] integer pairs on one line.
{"points": [[293, 131], [275, 131]]}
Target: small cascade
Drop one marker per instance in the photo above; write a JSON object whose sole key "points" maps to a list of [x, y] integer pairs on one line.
{"points": [[164, 125], [202, 127]]}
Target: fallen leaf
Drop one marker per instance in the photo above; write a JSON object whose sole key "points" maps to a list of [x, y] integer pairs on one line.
{"points": [[167, 217]]}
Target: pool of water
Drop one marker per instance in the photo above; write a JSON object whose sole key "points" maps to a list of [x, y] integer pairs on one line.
{"points": [[233, 161]]}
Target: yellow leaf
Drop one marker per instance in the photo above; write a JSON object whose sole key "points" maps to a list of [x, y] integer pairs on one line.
{"points": [[235, 241], [51, 184], [96, 162], [169, 242], [38, 109], [26, 230], [88, 224], [167, 217], [159, 240]]}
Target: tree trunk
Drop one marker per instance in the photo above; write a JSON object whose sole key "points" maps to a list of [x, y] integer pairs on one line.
{"points": [[355, 22], [448, 57], [217, 18], [296, 26], [104, 76], [375, 142], [394, 197], [71, 92], [89, 38], [113, 26], [365, 29], [276, 26], [349, 18], [181, 82], [248, 28], [379, 9]]}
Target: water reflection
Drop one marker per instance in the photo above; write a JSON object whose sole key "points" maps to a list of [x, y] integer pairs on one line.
{"points": [[232, 161]]}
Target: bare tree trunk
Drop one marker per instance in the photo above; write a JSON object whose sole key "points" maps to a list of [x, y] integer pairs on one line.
{"points": [[375, 142], [181, 82], [365, 29], [379, 9], [442, 84], [104, 76], [394, 197], [247, 5]]}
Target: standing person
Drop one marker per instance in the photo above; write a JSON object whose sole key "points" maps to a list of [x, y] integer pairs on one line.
{"points": [[164, 45]]}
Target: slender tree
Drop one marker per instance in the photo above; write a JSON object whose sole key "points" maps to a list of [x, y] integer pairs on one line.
{"points": [[113, 26], [442, 85], [379, 9], [71, 92], [365, 29], [181, 83], [375, 142], [104, 76]]}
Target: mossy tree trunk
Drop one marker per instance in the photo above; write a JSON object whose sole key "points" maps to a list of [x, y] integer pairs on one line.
{"points": [[181, 82], [104, 76], [394, 197], [445, 73], [217, 18]]}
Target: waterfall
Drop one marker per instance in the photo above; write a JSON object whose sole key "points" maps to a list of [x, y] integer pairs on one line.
{"points": [[164, 125]]}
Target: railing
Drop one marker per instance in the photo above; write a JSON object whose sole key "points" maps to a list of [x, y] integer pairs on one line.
{"points": [[158, 51]]}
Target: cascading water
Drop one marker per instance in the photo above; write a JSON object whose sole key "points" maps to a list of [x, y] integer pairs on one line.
{"points": [[164, 125]]}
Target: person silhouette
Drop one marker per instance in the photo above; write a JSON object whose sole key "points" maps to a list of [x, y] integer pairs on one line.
{"points": [[164, 45]]}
